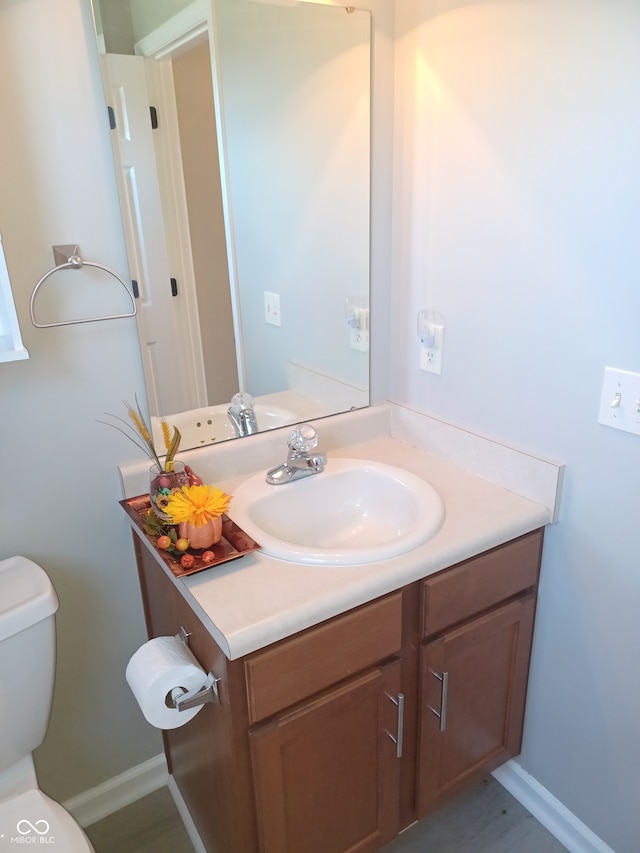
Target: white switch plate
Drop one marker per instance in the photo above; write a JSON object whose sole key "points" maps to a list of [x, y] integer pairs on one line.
{"points": [[431, 357], [623, 411], [272, 308]]}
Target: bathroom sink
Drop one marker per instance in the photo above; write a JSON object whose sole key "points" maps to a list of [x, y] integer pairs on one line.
{"points": [[354, 511]]}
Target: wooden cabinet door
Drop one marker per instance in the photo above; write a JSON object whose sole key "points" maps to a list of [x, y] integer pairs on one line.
{"points": [[473, 688], [326, 774]]}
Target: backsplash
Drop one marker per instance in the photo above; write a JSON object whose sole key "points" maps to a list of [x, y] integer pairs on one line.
{"points": [[518, 471]]}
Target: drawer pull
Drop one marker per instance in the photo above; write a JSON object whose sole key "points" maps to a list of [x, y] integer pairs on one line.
{"points": [[399, 735], [444, 690]]}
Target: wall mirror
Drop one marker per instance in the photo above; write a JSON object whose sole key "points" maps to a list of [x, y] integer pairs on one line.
{"points": [[241, 136]]}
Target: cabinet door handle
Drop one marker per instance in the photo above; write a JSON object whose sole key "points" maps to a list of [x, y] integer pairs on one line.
{"points": [[444, 690], [399, 735]]}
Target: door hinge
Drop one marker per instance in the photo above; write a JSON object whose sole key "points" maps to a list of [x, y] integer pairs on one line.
{"points": [[135, 289], [174, 287], [154, 118], [112, 118]]}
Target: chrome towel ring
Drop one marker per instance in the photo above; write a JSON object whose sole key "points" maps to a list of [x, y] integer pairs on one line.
{"points": [[68, 257]]}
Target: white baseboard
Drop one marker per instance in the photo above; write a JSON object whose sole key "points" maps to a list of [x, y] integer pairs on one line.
{"points": [[555, 817], [122, 790], [189, 825]]}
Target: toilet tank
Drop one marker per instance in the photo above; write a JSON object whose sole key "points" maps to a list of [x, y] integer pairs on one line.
{"points": [[28, 603]]}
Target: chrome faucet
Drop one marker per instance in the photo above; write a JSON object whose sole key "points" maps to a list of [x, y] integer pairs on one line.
{"points": [[242, 414], [300, 462]]}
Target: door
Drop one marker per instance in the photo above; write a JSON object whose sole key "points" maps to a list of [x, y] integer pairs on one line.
{"points": [[144, 230], [327, 774], [473, 689]]}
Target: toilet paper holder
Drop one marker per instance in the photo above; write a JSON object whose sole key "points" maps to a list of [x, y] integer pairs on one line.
{"points": [[182, 700], [209, 692]]}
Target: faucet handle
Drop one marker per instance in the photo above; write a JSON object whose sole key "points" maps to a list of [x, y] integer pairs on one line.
{"points": [[303, 438], [242, 401]]}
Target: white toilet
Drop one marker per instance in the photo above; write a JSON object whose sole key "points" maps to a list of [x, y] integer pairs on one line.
{"points": [[28, 603]]}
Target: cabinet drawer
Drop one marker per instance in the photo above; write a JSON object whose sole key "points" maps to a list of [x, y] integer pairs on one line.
{"points": [[471, 587], [294, 669]]}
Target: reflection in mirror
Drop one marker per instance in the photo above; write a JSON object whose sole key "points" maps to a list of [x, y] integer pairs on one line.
{"points": [[242, 164]]}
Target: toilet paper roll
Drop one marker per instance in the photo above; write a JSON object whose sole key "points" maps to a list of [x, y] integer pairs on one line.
{"points": [[154, 670]]}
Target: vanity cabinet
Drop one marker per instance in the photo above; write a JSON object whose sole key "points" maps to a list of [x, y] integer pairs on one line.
{"points": [[326, 748], [338, 737], [477, 628], [208, 757]]}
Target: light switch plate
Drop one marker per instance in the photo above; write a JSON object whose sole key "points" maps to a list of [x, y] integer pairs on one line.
{"points": [[620, 400], [272, 308]]}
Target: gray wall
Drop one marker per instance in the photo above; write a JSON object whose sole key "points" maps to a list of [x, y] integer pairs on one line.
{"points": [[60, 489], [518, 207]]}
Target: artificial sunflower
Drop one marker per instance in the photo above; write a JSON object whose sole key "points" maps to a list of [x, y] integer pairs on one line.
{"points": [[196, 504]]}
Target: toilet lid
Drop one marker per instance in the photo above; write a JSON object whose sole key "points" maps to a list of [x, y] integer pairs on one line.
{"points": [[32, 817]]}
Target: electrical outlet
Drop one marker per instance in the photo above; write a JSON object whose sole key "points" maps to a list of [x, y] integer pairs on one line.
{"points": [[620, 400], [360, 339], [431, 356], [272, 308]]}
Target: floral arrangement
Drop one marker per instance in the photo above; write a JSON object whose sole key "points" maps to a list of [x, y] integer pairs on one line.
{"points": [[196, 504], [188, 510], [181, 506], [141, 436]]}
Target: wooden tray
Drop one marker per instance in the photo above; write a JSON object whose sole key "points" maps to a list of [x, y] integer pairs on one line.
{"points": [[234, 543]]}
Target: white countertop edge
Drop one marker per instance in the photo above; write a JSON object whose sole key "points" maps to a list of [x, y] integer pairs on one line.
{"points": [[179, 584], [258, 635], [202, 593], [257, 600]]}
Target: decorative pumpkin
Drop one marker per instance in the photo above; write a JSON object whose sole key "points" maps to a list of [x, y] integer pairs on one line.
{"points": [[201, 537]]}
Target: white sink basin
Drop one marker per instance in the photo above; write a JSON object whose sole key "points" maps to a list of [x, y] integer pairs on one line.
{"points": [[353, 512]]}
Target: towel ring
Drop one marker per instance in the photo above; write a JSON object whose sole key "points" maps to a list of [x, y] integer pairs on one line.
{"points": [[75, 261]]}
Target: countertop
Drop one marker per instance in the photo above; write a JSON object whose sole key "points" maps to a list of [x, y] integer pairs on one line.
{"points": [[256, 600]]}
